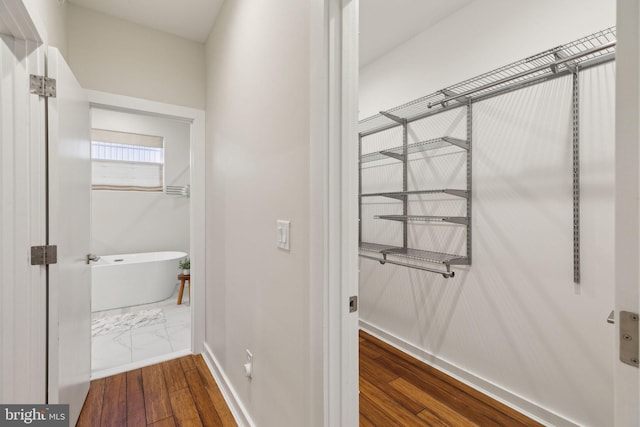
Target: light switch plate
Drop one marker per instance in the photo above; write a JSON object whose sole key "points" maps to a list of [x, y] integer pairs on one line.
{"points": [[283, 234]]}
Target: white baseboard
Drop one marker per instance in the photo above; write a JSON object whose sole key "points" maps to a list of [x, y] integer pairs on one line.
{"points": [[238, 410], [498, 393]]}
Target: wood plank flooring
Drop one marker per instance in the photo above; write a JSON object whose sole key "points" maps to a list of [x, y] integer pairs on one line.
{"points": [[180, 392], [395, 390], [398, 390]]}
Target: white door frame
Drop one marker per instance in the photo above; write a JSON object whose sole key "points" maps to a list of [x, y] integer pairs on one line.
{"points": [[334, 212], [16, 21], [340, 30], [627, 297], [22, 286], [109, 101]]}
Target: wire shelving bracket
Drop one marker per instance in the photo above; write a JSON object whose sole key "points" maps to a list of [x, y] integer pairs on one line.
{"points": [[565, 60]]}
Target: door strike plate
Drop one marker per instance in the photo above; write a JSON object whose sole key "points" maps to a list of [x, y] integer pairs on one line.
{"points": [[629, 338], [353, 304]]}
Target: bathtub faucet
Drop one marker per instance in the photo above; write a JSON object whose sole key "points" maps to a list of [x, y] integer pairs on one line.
{"points": [[92, 257]]}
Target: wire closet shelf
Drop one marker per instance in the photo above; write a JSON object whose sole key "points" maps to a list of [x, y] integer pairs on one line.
{"points": [[586, 52], [564, 60]]}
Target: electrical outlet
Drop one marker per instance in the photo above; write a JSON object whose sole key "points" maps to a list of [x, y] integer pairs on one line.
{"points": [[248, 366]]}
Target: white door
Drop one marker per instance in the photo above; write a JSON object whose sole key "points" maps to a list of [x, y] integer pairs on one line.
{"points": [[22, 225], [69, 228]]}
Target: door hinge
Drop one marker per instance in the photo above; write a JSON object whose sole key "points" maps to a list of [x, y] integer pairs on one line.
{"points": [[353, 304], [629, 338], [43, 86], [44, 255]]}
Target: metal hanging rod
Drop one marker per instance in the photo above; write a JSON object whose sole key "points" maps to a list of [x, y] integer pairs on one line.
{"points": [[538, 79], [560, 61], [553, 66], [566, 60], [446, 274]]}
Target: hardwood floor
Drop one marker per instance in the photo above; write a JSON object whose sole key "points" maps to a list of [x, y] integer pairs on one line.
{"points": [[398, 390], [395, 390], [180, 392]]}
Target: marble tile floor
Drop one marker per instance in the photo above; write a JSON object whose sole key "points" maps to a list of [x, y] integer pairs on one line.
{"points": [[165, 334]]}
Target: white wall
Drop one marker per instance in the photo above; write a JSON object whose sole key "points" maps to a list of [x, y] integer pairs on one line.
{"points": [[136, 221], [258, 172], [479, 38], [112, 55], [513, 322]]}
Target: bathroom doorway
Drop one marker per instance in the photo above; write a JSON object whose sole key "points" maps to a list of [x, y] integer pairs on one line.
{"points": [[141, 225]]}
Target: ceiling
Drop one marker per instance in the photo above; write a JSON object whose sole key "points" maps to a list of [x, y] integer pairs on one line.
{"points": [[191, 19], [384, 24]]}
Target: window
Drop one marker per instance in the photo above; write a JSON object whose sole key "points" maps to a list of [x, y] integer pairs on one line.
{"points": [[126, 161]]}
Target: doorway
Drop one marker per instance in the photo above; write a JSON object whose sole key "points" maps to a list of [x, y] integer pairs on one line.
{"points": [[517, 300], [140, 236], [152, 227]]}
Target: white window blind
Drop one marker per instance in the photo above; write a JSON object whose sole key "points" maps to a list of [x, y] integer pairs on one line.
{"points": [[126, 161]]}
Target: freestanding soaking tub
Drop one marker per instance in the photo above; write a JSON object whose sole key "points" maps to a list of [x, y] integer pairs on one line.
{"points": [[133, 279]]}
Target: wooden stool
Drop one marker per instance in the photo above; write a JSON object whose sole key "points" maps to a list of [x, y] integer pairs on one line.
{"points": [[183, 278]]}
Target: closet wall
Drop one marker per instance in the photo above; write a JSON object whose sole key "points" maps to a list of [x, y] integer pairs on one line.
{"points": [[513, 323]]}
